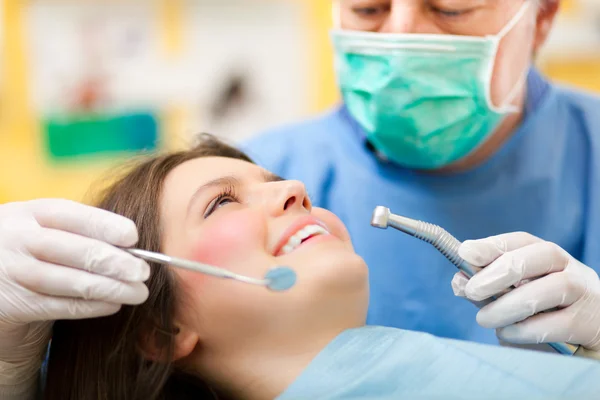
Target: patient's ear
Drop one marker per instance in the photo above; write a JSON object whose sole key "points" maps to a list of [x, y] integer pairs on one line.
{"points": [[155, 344], [186, 341]]}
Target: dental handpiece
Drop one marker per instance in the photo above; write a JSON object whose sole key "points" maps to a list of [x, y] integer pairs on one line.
{"points": [[277, 279], [446, 244]]}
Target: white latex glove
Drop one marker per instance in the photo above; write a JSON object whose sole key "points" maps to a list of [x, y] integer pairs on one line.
{"points": [[56, 263], [546, 277]]}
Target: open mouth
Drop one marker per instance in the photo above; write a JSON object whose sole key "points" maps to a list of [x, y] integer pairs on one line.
{"points": [[302, 236]]}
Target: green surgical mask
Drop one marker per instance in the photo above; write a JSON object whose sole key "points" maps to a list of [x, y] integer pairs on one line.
{"points": [[424, 100]]}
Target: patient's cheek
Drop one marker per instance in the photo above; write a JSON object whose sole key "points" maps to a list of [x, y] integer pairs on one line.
{"points": [[229, 238]]}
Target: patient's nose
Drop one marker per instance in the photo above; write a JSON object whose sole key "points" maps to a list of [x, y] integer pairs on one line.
{"points": [[287, 196]]}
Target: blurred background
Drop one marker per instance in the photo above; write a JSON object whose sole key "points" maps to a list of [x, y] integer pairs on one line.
{"points": [[86, 83]]}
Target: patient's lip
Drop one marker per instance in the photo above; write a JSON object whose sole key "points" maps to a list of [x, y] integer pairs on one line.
{"points": [[294, 228]]}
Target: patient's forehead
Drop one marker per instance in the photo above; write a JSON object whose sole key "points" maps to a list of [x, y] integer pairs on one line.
{"points": [[205, 169]]}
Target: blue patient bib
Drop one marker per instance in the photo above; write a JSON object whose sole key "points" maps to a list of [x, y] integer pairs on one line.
{"points": [[387, 363]]}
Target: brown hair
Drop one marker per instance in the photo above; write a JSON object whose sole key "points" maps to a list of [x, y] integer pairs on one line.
{"points": [[99, 359]]}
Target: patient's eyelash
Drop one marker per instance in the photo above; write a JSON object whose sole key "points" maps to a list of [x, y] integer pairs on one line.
{"points": [[228, 194]]}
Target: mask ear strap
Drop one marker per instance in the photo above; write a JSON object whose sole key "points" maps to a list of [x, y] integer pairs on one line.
{"points": [[509, 108], [521, 82], [515, 20]]}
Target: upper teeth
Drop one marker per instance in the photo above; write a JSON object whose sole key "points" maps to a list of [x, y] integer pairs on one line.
{"points": [[302, 234]]}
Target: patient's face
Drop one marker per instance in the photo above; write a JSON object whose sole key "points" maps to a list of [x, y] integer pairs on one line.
{"points": [[235, 215]]}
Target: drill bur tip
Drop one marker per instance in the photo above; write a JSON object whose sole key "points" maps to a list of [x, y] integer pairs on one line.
{"points": [[380, 217]]}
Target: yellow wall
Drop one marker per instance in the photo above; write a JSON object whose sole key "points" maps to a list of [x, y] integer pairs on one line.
{"points": [[172, 14], [22, 171], [319, 23], [25, 171], [584, 73]]}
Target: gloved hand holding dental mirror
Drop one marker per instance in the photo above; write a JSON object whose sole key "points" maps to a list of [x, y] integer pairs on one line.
{"points": [[58, 260], [61, 260], [531, 291]]}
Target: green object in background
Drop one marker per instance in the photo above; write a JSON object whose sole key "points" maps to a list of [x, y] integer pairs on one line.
{"points": [[92, 134]]}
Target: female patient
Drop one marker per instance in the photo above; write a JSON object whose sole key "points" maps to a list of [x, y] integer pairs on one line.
{"points": [[202, 337]]}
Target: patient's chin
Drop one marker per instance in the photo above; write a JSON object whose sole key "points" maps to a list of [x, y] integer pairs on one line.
{"points": [[343, 283], [336, 269]]}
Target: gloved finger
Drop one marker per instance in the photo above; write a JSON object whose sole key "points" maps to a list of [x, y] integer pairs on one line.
{"points": [[84, 220], [555, 290], [459, 283], [71, 250], [56, 280], [53, 308], [483, 251], [528, 262], [544, 328]]}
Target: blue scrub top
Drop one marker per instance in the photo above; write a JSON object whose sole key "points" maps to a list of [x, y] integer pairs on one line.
{"points": [[545, 180], [386, 363]]}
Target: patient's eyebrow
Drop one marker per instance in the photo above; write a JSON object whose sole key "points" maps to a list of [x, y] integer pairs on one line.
{"points": [[223, 181], [271, 177]]}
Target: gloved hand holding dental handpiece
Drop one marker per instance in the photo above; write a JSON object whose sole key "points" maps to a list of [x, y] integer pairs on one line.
{"points": [[57, 261], [546, 278]]}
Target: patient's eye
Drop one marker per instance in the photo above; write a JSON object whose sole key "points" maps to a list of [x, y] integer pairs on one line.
{"points": [[225, 197]]}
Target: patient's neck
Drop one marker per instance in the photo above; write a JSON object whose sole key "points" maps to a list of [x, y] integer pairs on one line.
{"points": [[266, 370]]}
